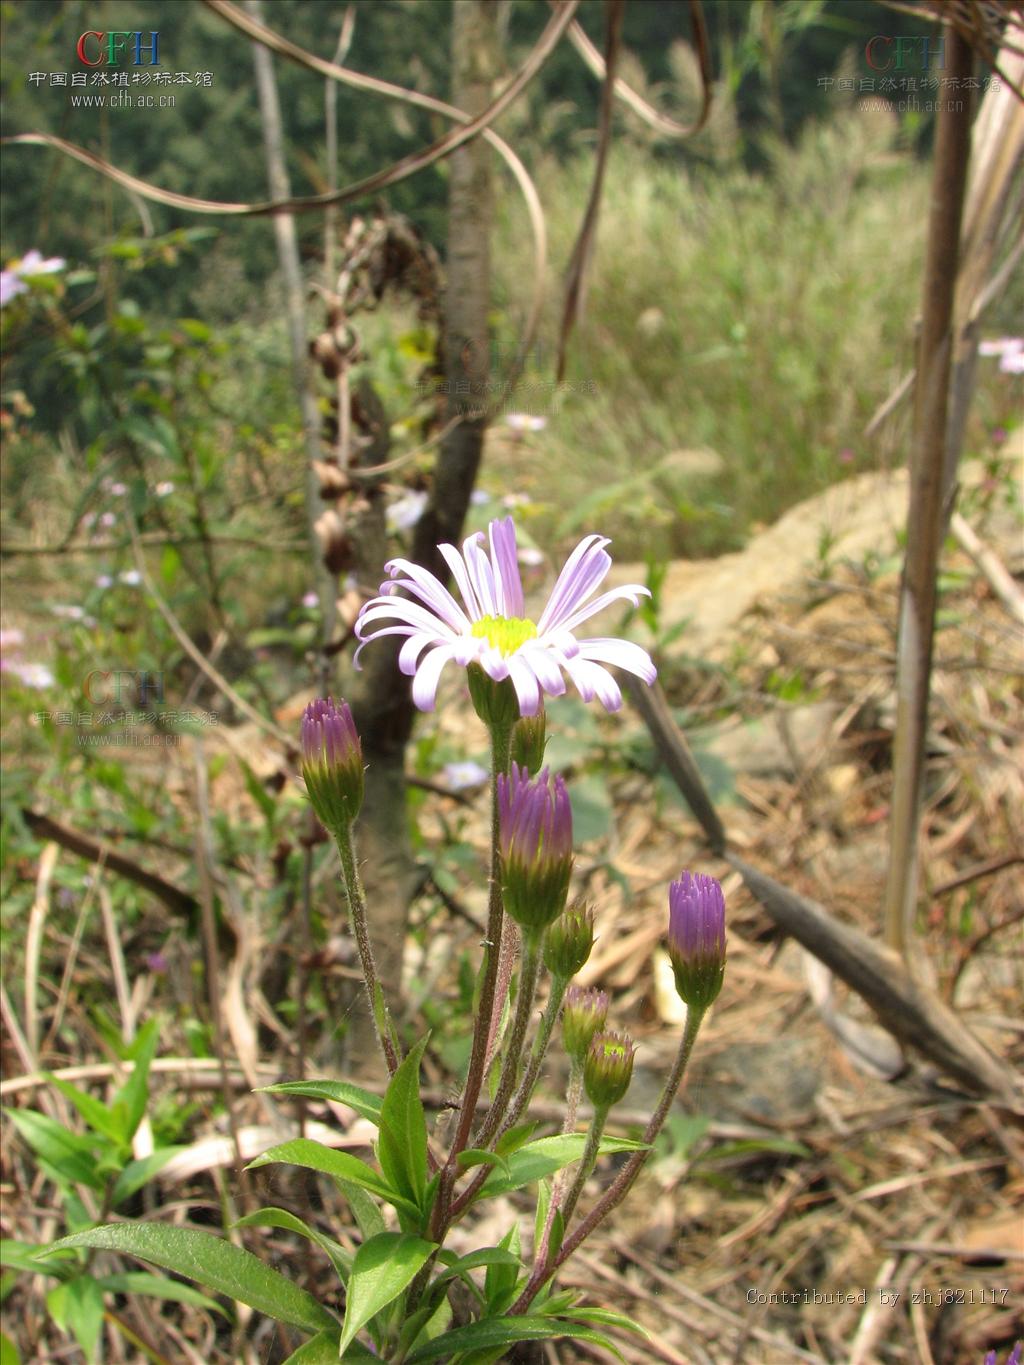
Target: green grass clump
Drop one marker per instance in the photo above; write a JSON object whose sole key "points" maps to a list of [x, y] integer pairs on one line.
{"points": [[761, 315]]}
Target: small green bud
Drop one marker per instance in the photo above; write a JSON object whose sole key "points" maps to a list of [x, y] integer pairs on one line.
{"points": [[529, 739], [569, 940], [608, 1069], [583, 1014]]}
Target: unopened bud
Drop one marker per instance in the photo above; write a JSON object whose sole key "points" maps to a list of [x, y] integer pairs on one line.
{"points": [[583, 1014], [536, 847], [696, 938], [529, 739], [332, 763], [569, 940], [608, 1069]]}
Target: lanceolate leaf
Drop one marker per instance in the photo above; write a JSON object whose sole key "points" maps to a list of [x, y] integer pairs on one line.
{"points": [[364, 1102], [503, 1331], [213, 1262], [68, 1156], [281, 1218], [158, 1287], [402, 1149], [314, 1156], [381, 1269], [545, 1156]]}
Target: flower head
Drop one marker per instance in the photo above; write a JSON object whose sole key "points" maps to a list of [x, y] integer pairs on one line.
{"points": [[696, 937], [583, 1014], [570, 940], [535, 820], [608, 1068], [491, 628], [1014, 1358], [12, 281], [332, 763]]}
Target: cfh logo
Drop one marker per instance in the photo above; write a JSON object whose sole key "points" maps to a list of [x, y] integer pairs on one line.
{"points": [[106, 686], [896, 54], [113, 48]]}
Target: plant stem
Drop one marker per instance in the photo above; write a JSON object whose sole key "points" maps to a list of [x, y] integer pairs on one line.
{"points": [[528, 974], [501, 743], [524, 1092], [587, 1162], [540, 1047], [357, 916], [623, 1182]]}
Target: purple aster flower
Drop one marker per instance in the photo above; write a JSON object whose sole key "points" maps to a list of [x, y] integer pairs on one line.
{"points": [[536, 846], [32, 263], [696, 937], [492, 630], [1012, 1359], [332, 763]]}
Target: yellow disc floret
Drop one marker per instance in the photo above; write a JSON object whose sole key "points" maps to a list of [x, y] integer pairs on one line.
{"points": [[506, 633]]}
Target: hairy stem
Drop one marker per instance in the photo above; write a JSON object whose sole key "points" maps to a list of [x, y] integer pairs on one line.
{"points": [[528, 974], [357, 915], [623, 1182], [501, 743]]}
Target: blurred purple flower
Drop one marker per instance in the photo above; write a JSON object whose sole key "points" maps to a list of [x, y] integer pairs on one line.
{"points": [[491, 630], [465, 774], [131, 578], [311, 600], [12, 281], [104, 581], [406, 512], [525, 421], [164, 488]]}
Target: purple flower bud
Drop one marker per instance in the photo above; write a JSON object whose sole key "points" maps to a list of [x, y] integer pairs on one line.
{"points": [[583, 1014], [569, 940], [536, 846], [696, 937], [608, 1069], [332, 763]]}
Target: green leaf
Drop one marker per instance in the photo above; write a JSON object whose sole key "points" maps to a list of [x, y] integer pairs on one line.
{"points": [[367, 1215], [314, 1156], [66, 1154], [476, 1156], [515, 1138], [134, 1094], [503, 1331], [158, 1287], [141, 1172], [362, 1101], [381, 1269], [501, 1280], [281, 1218], [323, 1350], [211, 1261], [94, 1111], [9, 1354], [544, 1157], [77, 1306], [27, 1256], [609, 1319], [402, 1150]]}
